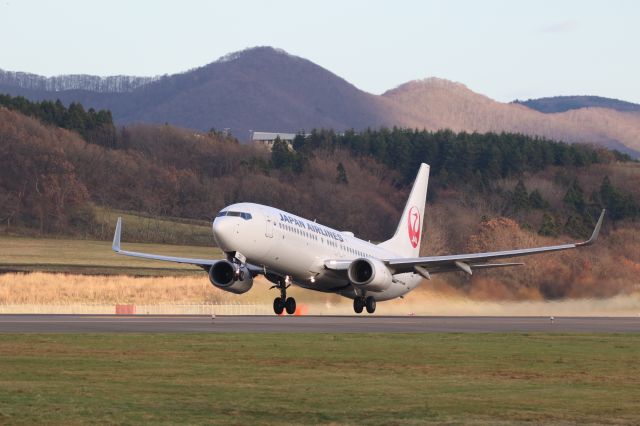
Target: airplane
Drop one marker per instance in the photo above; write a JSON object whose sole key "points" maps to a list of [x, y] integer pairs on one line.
{"points": [[291, 250]]}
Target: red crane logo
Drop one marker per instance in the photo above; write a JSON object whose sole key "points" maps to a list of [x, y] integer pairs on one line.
{"points": [[413, 219]]}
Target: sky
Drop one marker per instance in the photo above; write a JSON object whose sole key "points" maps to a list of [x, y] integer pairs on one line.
{"points": [[504, 49]]}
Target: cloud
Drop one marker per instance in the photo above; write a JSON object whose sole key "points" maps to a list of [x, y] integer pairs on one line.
{"points": [[560, 27]]}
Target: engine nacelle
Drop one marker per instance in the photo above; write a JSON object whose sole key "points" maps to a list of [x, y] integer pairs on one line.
{"points": [[369, 274], [228, 277]]}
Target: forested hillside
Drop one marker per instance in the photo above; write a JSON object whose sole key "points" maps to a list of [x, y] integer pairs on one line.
{"points": [[94, 126], [487, 191], [113, 84]]}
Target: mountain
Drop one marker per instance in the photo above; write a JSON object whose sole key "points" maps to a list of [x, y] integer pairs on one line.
{"points": [[268, 89], [566, 103], [437, 103], [260, 88]]}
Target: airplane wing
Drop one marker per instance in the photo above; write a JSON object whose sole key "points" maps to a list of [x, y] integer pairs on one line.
{"points": [[203, 263], [466, 262]]}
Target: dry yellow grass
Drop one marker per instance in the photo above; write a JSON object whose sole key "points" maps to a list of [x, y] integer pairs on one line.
{"points": [[433, 298], [40, 288], [47, 288]]}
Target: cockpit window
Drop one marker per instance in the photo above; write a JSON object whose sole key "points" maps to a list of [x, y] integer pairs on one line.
{"points": [[245, 216], [222, 213]]}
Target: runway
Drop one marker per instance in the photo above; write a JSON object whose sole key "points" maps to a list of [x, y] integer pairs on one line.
{"points": [[314, 324]]}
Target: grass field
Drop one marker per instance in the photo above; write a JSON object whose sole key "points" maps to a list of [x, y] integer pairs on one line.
{"points": [[319, 378], [94, 257], [164, 230]]}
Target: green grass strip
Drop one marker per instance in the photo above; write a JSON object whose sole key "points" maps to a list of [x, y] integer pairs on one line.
{"points": [[319, 378]]}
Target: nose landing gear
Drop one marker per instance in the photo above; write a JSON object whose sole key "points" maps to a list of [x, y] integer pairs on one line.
{"points": [[283, 303], [278, 305], [290, 305]]}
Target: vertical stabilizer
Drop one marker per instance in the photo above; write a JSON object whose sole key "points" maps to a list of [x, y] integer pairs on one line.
{"points": [[406, 241]]}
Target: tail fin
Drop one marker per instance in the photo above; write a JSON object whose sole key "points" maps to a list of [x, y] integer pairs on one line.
{"points": [[406, 241]]}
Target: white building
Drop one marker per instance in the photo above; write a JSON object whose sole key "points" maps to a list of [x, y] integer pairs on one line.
{"points": [[268, 138]]}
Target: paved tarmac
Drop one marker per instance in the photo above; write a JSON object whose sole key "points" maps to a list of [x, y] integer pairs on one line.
{"points": [[318, 324]]}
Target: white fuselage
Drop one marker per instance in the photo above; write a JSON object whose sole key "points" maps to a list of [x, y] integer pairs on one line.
{"points": [[292, 246]]}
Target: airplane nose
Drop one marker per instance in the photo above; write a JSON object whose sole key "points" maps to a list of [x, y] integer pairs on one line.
{"points": [[222, 233]]}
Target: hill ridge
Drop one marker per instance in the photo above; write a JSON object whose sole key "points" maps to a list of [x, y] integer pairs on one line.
{"points": [[267, 88], [553, 104]]}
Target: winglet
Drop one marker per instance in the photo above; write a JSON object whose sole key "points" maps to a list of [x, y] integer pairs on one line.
{"points": [[116, 236], [596, 231]]}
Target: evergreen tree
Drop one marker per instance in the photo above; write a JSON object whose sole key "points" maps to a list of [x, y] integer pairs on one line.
{"points": [[548, 228], [284, 158], [576, 226], [342, 174], [519, 198], [281, 156], [536, 201], [76, 118], [619, 204], [579, 222], [299, 141], [574, 198]]}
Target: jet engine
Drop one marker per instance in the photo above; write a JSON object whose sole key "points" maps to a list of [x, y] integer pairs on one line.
{"points": [[369, 274], [230, 277]]}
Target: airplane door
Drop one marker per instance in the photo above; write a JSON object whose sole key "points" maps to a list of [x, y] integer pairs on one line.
{"points": [[271, 223]]}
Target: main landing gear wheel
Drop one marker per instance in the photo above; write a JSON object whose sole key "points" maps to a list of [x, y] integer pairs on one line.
{"points": [[370, 303], [278, 305], [358, 305], [290, 305]]}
